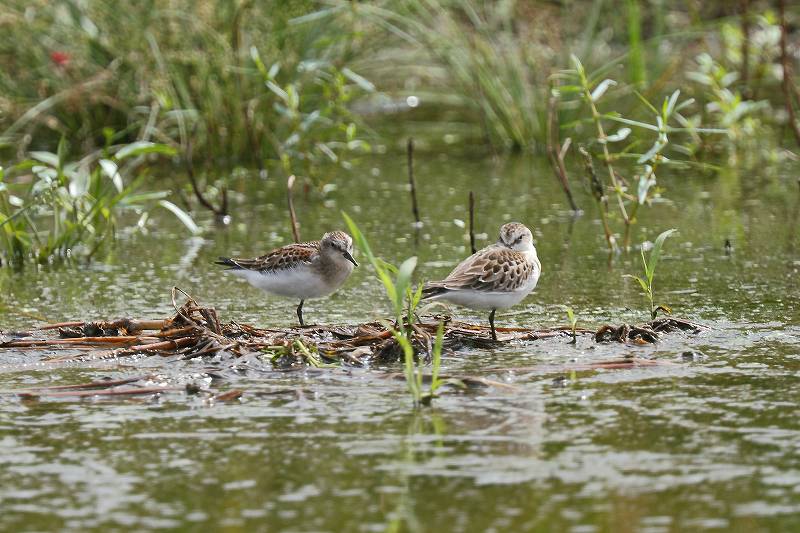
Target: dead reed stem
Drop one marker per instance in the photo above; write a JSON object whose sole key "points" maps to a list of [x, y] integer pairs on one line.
{"points": [[555, 151], [292, 214], [412, 183], [472, 222]]}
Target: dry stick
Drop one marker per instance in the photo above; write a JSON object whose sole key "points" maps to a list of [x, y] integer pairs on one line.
{"points": [[112, 392], [472, 221], [78, 341], [292, 214], [555, 151], [412, 183], [599, 196], [220, 212], [786, 85]]}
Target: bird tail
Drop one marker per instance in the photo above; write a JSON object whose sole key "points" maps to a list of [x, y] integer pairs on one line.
{"points": [[432, 290], [228, 262]]}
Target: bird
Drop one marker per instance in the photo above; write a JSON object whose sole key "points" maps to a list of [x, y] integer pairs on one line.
{"points": [[496, 277], [301, 270]]}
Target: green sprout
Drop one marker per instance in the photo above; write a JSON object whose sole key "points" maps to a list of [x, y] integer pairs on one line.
{"points": [[650, 271], [573, 321], [404, 300]]}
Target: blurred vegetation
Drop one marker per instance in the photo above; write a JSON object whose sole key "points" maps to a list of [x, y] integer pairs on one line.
{"points": [[291, 88]]}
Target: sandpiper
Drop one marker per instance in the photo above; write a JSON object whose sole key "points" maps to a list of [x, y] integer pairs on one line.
{"points": [[497, 277], [303, 270]]}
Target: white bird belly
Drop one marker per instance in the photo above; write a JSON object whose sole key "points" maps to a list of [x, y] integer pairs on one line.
{"points": [[482, 299], [298, 282], [489, 299]]}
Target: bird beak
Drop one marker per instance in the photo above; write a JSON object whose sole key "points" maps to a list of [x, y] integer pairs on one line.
{"points": [[350, 258]]}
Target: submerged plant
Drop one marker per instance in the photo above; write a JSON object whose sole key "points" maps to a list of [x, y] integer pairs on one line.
{"points": [[646, 283], [404, 301]]}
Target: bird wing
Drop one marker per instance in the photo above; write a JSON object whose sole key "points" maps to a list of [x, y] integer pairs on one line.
{"points": [[489, 270], [288, 256]]}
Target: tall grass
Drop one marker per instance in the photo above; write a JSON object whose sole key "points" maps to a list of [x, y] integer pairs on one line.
{"points": [[252, 82], [491, 67]]}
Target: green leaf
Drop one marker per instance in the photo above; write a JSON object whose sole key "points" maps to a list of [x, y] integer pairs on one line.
{"points": [[642, 282], [404, 274], [111, 170], [143, 147], [181, 215], [601, 89], [359, 80], [655, 254], [48, 158]]}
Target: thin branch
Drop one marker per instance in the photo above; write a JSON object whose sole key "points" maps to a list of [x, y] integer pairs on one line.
{"points": [[187, 157], [412, 183], [598, 193], [555, 151], [472, 221]]}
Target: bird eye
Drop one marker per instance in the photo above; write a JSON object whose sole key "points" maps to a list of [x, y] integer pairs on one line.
{"points": [[519, 240]]}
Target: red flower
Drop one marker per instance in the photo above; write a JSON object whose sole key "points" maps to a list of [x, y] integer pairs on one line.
{"points": [[59, 58]]}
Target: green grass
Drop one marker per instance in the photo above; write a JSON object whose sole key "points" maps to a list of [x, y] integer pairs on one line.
{"points": [[404, 300], [256, 82], [53, 208]]}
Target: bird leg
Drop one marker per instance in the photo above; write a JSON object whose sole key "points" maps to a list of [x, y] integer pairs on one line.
{"points": [[491, 323], [300, 313]]}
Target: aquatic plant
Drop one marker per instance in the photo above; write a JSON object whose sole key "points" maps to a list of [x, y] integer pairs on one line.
{"points": [[646, 283], [404, 300], [53, 208], [573, 322], [629, 195]]}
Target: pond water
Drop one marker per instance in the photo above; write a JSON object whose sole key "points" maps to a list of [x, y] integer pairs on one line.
{"points": [[709, 441]]}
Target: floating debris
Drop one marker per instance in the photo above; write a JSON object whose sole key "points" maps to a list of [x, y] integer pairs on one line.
{"points": [[195, 331]]}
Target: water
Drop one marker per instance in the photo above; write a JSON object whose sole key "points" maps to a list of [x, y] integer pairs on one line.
{"points": [[709, 441]]}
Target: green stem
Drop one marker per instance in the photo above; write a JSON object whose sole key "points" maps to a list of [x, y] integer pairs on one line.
{"points": [[601, 135]]}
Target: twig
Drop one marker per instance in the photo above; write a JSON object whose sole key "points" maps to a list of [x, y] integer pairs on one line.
{"points": [[292, 214], [412, 183], [472, 221], [187, 157], [555, 151], [787, 73], [598, 193]]}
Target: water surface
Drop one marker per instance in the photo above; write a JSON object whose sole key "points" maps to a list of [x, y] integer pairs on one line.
{"points": [[710, 441]]}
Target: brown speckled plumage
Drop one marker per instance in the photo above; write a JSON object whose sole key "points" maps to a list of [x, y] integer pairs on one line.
{"points": [[492, 269], [289, 256]]}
